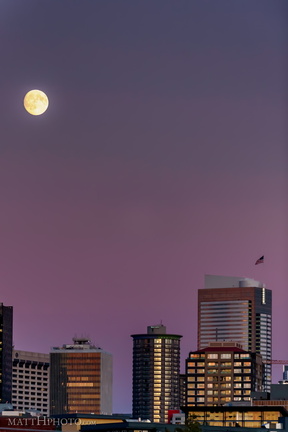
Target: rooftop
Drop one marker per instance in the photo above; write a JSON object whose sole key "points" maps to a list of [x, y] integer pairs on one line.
{"points": [[215, 281]]}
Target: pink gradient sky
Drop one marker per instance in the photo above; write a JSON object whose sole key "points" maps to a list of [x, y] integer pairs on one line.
{"points": [[162, 157]]}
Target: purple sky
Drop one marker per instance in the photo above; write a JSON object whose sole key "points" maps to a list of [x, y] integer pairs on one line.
{"points": [[162, 157]]}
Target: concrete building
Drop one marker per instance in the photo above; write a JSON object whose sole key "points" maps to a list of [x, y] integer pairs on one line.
{"points": [[30, 381], [156, 367], [221, 373], [80, 379], [6, 342], [240, 310]]}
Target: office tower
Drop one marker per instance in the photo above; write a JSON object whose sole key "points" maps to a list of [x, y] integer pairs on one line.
{"points": [[80, 379], [30, 381], [156, 367], [221, 373], [6, 342], [240, 310]]}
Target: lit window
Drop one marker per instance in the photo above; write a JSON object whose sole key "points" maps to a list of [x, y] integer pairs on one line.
{"points": [[225, 356]]}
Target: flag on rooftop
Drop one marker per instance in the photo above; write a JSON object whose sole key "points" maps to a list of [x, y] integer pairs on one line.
{"points": [[260, 260]]}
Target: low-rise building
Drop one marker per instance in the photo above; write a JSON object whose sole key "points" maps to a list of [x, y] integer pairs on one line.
{"points": [[239, 416], [278, 396]]}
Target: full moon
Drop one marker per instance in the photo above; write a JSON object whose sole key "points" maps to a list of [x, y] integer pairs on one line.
{"points": [[36, 102]]}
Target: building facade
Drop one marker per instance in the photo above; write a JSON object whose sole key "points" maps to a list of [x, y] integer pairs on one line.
{"points": [[6, 342], [156, 368], [30, 381], [222, 373], [80, 379], [240, 310], [242, 416]]}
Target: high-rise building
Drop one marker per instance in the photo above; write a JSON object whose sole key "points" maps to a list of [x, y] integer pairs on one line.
{"points": [[156, 368], [80, 379], [237, 309], [30, 382], [6, 342], [220, 373]]}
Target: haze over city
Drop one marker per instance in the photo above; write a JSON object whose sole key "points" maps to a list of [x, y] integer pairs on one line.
{"points": [[162, 157]]}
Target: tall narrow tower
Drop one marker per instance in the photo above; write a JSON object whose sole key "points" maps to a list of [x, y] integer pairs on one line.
{"points": [[156, 368], [240, 310], [6, 341]]}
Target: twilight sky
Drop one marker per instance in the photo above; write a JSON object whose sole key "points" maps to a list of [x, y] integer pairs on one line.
{"points": [[162, 157]]}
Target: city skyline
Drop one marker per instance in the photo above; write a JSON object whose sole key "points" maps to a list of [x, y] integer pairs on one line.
{"points": [[162, 157]]}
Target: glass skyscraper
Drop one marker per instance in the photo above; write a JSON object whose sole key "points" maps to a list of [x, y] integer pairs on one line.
{"points": [[80, 379], [240, 310], [156, 368]]}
